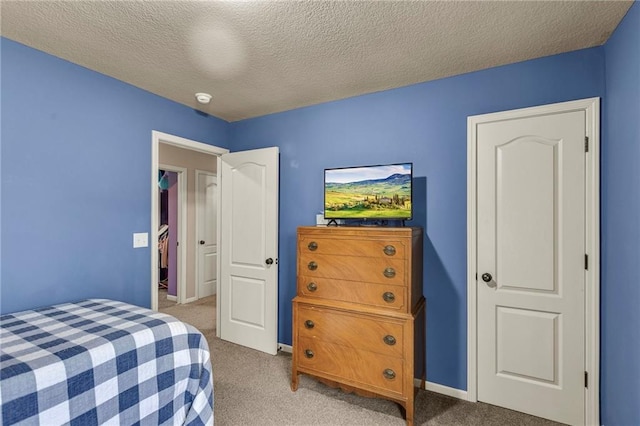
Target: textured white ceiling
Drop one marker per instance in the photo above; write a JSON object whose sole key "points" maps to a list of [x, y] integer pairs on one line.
{"points": [[260, 57]]}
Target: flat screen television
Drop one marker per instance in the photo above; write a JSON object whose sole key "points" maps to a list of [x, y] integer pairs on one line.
{"points": [[381, 192]]}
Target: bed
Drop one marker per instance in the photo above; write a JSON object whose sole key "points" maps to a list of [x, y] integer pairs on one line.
{"points": [[101, 361]]}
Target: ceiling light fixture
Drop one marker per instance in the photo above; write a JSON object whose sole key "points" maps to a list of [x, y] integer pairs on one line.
{"points": [[203, 98]]}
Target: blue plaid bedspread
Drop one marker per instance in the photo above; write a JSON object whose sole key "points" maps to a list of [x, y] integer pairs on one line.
{"points": [[103, 362]]}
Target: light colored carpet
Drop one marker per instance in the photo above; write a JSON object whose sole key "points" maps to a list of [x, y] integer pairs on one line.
{"points": [[201, 314], [163, 302], [253, 388]]}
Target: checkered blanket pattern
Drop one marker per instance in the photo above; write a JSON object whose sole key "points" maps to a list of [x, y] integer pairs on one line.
{"points": [[103, 362]]}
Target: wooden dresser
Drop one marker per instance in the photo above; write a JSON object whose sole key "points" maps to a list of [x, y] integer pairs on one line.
{"points": [[359, 313]]}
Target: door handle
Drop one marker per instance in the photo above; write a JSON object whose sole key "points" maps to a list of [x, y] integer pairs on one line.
{"points": [[487, 278], [269, 261], [202, 242]]}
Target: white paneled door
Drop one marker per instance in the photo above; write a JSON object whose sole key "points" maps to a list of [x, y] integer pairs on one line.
{"points": [[531, 264], [206, 228], [249, 248]]}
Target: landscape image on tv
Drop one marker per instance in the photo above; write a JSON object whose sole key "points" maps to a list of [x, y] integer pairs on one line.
{"points": [[370, 192]]}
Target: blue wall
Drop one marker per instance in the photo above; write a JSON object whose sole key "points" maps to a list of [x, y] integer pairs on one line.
{"points": [[620, 177], [76, 170], [426, 124]]}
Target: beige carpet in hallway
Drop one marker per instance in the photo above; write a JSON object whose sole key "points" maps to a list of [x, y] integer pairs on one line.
{"points": [[163, 300], [201, 314]]}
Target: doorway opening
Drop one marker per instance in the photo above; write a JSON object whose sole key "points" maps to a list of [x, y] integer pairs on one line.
{"points": [[171, 209], [158, 139]]}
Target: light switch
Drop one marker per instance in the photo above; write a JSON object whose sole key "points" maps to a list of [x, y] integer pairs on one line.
{"points": [[140, 239]]}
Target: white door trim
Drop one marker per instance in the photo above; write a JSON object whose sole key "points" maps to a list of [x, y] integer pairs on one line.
{"points": [[218, 240], [592, 244], [156, 138], [181, 294]]}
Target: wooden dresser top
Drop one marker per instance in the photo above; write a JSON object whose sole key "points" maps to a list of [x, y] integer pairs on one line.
{"points": [[360, 230]]}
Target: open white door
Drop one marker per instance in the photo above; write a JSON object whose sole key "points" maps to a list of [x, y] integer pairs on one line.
{"points": [[248, 296]]}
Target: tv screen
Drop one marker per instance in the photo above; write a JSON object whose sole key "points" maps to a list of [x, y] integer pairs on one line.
{"points": [[368, 192]]}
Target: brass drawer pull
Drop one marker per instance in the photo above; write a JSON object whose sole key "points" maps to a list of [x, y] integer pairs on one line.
{"points": [[312, 266], [309, 354], [389, 374], [389, 250], [389, 340], [313, 246], [312, 286], [389, 297], [310, 324], [389, 272]]}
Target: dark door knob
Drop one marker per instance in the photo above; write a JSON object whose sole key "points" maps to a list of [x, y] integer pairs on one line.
{"points": [[486, 277], [201, 241], [269, 261]]}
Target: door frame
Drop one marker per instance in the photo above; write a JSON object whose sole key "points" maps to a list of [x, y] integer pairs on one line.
{"points": [[166, 138], [181, 276], [196, 227], [591, 107]]}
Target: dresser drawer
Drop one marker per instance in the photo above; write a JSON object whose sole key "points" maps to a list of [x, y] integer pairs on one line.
{"points": [[375, 334], [386, 296], [346, 364], [368, 269], [353, 247]]}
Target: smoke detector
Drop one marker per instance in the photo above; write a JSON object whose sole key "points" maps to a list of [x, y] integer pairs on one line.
{"points": [[203, 98]]}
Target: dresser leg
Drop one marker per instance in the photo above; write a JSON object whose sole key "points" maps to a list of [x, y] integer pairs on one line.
{"points": [[409, 419], [294, 381], [407, 412]]}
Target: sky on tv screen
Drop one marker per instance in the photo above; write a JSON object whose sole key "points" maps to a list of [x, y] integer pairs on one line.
{"points": [[356, 174]]}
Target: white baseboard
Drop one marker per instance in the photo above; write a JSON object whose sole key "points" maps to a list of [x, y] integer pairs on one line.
{"points": [[189, 300], [444, 390], [285, 348], [172, 298]]}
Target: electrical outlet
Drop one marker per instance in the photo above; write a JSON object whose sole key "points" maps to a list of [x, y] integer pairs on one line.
{"points": [[140, 239], [321, 221]]}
